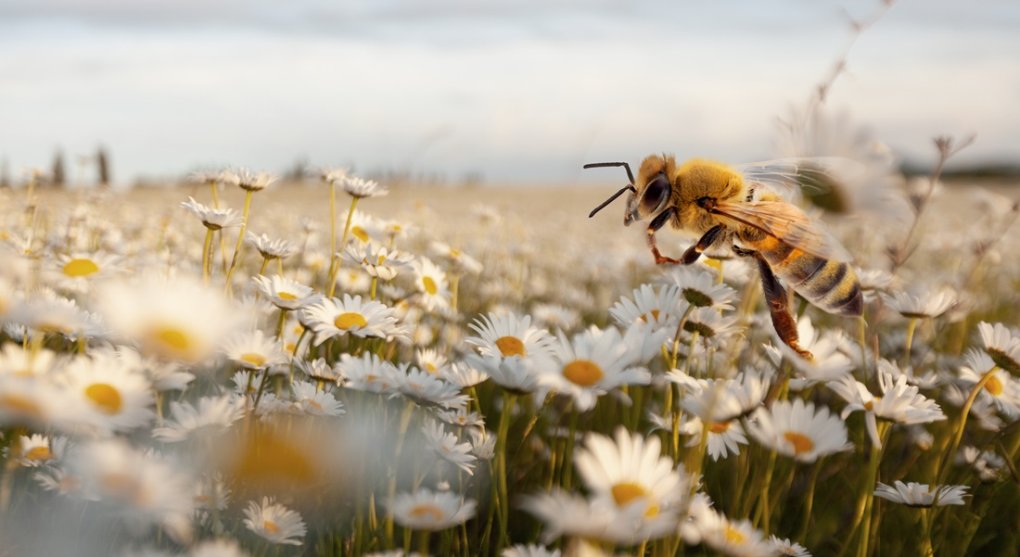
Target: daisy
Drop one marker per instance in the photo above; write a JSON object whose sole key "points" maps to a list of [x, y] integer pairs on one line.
{"points": [[333, 317], [710, 324], [429, 390], [285, 293], [353, 280], [247, 180], [118, 398], [368, 373], [724, 438], [555, 316], [723, 400], [783, 546], [39, 450], [874, 282], [379, 262], [1002, 344], [899, 403], [176, 319], [427, 510], [364, 227], [432, 285], [446, 446], [631, 472], [320, 370], [141, 488], [463, 375], [311, 401], [798, 431], [459, 261], [830, 362], [270, 248], [1000, 387], [661, 309], [76, 272], [461, 417], [213, 219], [921, 495], [431, 361], [699, 288], [596, 519], [274, 522], [507, 335], [212, 415], [254, 350], [483, 443], [360, 188], [38, 403], [529, 550], [921, 303], [736, 537], [217, 548], [591, 364], [19, 362], [49, 313]]}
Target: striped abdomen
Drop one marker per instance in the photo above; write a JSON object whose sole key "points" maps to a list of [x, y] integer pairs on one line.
{"points": [[829, 284]]}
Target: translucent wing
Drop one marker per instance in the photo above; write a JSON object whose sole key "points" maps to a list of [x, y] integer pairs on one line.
{"points": [[788, 223], [790, 177]]}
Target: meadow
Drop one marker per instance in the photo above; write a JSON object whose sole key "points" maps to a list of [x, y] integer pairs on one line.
{"points": [[491, 372]]}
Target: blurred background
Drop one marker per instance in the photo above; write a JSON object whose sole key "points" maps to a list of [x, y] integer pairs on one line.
{"points": [[500, 91]]}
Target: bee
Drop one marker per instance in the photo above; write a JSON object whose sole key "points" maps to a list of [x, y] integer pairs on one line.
{"points": [[742, 207]]}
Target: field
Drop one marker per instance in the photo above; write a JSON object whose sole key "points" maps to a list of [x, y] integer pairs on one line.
{"points": [[493, 373]]}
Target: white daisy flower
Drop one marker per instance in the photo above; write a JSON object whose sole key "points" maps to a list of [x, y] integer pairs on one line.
{"points": [[20, 362], [461, 417], [49, 313], [556, 316], [1001, 388], [737, 538], [591, 364], [334, 317], [722, 400], [380, 262], [212, 415], [309, 400], [433, 287], [529, 550], [483, 443], [254, 350], [365, 228], [213, 219], [921, 303], [368, 373], [285, 293], [830, 362], [921, 495], [699, 288], [319, 370], [567, 514], [361, 188], [247, 180], [39, 404], [39, 450], [711, 325], [659, 309], [429, 390], [78, 271], [459, 261], [783, 546], [724, 438], [1002, 344], [463, 375], [118, 398], [427, 510], [899, 403], [447, 447], [270, 248], [798, 431], [632, 472], [274, 522], [874, 282]]}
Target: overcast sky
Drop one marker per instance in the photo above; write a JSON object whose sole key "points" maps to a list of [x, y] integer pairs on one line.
{"points": [[512, 89]]}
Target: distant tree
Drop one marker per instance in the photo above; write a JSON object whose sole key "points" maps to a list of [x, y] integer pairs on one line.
{"points": [[58, 176], [103, 167], [5, 174]]}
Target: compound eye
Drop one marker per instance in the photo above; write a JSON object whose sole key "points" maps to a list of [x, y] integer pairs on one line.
{"points": [[655, 194]]}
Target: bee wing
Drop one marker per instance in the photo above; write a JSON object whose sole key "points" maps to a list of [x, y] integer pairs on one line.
{"points": [[790, 176], [788, 223]]}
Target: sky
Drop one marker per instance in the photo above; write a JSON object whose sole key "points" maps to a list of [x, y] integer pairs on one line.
{"points": [[511, 90]]}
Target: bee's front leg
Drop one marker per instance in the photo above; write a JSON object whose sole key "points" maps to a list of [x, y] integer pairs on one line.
{"points": [[694, 252], [779, 304], [658, 222]]}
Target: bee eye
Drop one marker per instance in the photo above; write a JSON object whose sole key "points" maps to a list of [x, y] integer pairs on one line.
{"points": [[656, 192]]}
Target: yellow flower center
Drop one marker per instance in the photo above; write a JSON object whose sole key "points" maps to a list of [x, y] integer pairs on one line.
{"points": [[426, 510], [76, 268], [171, 339], [454, 253], [994, 386], [359, 233], [39, 454], [734, 536], [20, 405], [719, 427], [256, 360], [431, 368], [270, 527], [286, 296], [511, 346], [349, 319], [429, 285], [105, 396], [290, 347], [583, 372], [801, 443], [625, 493], [654, 314]]}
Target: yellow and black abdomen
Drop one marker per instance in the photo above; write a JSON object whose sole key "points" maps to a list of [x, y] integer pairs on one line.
{"points": [[829, 284]]}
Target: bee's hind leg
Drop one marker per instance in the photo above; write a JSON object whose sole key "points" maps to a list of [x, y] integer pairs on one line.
{"points": [[779, 304], [658, 222], [694, 252]]}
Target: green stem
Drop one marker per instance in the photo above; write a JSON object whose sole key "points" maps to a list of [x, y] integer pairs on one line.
{"points": [[240, 240], [206, 255], [343, 242], [501, 469], [911, 327]]}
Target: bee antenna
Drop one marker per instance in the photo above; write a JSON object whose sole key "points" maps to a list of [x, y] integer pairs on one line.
{"points": [[611, 199], [630, 175]]}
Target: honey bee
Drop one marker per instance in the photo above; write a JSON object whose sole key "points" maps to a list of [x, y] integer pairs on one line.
{"points": [[742, 207]]}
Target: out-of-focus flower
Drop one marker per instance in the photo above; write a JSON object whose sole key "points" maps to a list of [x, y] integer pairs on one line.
{"points": [[427, 510], [213, 219], [254, 350], [433, 288], [699, 288], [447, 447], [361, 188], [921, 495], [213, 415], [285, 293], [380, 262], [275, 522], [923, 303], [247, 180]]}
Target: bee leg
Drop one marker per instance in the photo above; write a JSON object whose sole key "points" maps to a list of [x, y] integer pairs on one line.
{"points": [[694, 252], [779, 305], [653, 227]]}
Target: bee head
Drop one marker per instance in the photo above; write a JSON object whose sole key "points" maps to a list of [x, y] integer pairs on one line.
{"points": [[653, 190]]}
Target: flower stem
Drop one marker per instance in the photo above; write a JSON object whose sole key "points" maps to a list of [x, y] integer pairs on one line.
{"points": [[206, 254], [501, 469], [911, 327], [240, 240], [334, 269]]}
